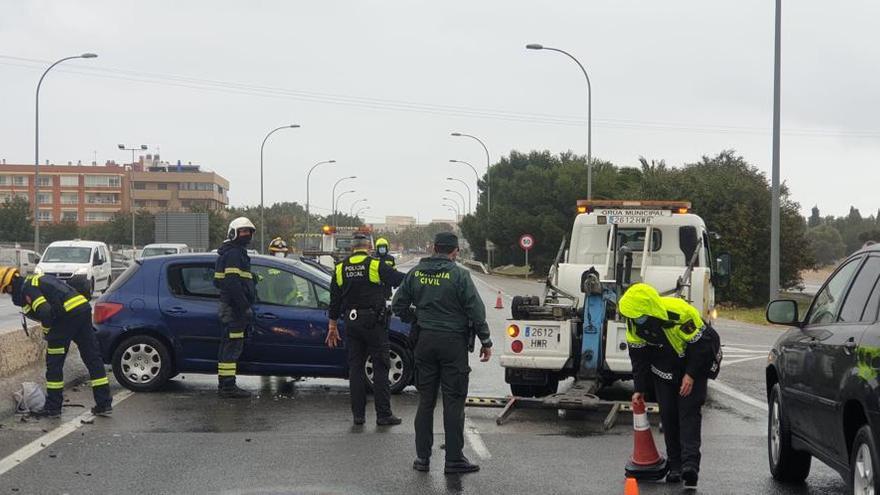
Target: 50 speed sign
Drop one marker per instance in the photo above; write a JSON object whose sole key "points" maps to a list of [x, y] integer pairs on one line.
{"points": [[527, 242]]}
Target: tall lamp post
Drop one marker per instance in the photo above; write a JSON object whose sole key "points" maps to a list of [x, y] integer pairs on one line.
{"points": [[488, 169], [333, 196], [133, 150], [351, 210], [336, 206], [470, 207], [536, 46], [774, 201], [262, 204], [37, 148], [308, 189], [460, 195], [453, 202], [357, 214]]}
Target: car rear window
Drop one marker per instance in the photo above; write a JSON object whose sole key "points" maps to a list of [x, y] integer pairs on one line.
{"points": [[196, 280], [124, 277]]}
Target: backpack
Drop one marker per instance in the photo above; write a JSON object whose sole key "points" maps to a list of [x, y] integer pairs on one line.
{"points": [[29, 398], [717, 354]]}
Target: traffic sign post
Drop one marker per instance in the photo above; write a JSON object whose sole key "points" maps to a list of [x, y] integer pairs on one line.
{"points": [[527, 242]]}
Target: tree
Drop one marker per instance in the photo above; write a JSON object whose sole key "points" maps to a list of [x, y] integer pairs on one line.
{"points": [[815, 220], [16, 222], [826, 244], [60, 231]]}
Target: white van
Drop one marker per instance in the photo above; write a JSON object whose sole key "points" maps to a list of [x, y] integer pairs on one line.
{"points": [[164, 249], [85, 265]]}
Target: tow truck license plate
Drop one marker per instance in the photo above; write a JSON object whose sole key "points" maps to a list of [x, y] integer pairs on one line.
{"points": [[542, 337]]}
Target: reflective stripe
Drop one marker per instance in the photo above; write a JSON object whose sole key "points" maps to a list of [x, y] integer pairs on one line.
{"points": [[55, 350], [75, 302], [237, 271], [35, 280], [236, 335], [339, 274], [225, 372], [358, 258], [55, 385], [38, 302], [45, 330], [374, 272], [226, 366], [219, 275], [226, 369], [26, 308], [97, 382]]}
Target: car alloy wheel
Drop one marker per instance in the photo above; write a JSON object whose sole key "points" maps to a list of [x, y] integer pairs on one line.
{"points": [[863, 471], [395, 370], [775, 432], [141, 363]]}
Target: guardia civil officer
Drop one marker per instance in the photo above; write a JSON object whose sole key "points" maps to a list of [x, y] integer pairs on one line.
{"points": [[357, 295], [65, 316], [232, 275], [442, 300], [671, 346], [383, 254]]}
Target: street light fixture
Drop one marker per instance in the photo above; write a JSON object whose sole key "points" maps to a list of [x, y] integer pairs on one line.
{"points": [[37, 148], [454, 209], [262, 204], [351, 210], [470, 207], [133, 150], [536, 46], [308, 190], [488, 169], [336, 205], [333, 197], [357, 214], [455, 202], [460, 195]]}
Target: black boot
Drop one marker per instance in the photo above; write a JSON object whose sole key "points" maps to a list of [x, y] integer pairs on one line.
{"points": [[389, 421], [233, 392], [422, 464], [47, 413], [102, 410], [690, 479], [461, 466]]}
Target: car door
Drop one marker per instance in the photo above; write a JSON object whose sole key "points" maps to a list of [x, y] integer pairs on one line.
{"points": [[291, 324], [807, 364], [188, 301], [838, 352], [104, 269]]}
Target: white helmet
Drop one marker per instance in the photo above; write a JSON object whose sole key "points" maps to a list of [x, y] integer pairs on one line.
{"points": [[239, 223]]}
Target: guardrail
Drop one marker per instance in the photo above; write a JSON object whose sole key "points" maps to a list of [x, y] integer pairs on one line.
{"points": [[479, 265]]}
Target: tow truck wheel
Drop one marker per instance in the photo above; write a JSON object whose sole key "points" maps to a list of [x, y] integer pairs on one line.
{"points": [[518, 390]]}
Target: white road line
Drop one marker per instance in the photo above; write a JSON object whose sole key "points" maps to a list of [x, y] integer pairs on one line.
{"points": [[738, 350], [42, 443], [742, 360], [473, 437], [736, 394]]}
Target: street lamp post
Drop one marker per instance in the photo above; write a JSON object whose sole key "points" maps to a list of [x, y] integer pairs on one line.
{"points": [[470, 207], [308, 186], [336, 206], [357, 214], [333, 197], [351, 210], [133, 150], [460, 195], [488, 169], [262, 204], [453, 209], [774, 200], [536, 46], [37, 148], [458, 207]]}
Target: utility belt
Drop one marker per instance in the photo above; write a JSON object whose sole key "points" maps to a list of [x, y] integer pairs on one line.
{"points": [[366, 316]]}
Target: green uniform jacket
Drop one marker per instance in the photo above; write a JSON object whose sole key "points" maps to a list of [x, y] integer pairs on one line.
{"points": [[444, 297]]}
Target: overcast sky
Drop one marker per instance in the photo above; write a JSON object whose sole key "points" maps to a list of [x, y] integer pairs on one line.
{"points": [[379, 85]]}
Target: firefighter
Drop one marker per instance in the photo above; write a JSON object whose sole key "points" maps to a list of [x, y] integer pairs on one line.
{"points": [[232, 275], [65, 316], [666, 347], [356, 294], [278, 248], [382, 253], [447, 313]]}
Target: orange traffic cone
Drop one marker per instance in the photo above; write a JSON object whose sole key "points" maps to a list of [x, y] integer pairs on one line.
{"points": [[646, 462], [631, 487], [499, 304]]}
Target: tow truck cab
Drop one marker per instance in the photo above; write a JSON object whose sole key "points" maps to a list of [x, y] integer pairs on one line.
{"points": [[625, 242], [336, 243]]}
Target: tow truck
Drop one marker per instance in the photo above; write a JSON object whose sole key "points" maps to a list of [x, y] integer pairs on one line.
{"points": [[573, 329], [336, 243]]}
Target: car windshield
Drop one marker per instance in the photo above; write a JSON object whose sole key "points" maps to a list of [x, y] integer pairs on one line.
{"points": [[67, 254], [158, 251], [315, 272]]}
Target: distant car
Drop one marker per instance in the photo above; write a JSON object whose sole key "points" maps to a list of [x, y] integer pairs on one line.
{"points": [[160, 319], [85, 265], [23, 259], [164, 249], [823, 378]]}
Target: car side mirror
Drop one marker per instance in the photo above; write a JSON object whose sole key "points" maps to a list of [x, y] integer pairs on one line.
{"points": [[721, 274], [783, 312]]}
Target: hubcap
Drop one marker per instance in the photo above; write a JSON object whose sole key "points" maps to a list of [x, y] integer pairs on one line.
{"points": [[775, 434], [395, 371], [141, 363], [863, 471]]}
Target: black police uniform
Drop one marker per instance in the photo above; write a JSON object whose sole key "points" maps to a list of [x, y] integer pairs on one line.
{"points": [[447, 306], [356, 295], [66, 316], [232, 275], [390, 261]]}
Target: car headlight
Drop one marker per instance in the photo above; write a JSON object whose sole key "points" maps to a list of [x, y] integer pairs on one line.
{"points": [[81, 271], [38, 270]]}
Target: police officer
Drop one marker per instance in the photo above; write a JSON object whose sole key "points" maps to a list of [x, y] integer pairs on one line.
{"points": [[669, 345], [66, 316], [356, 294], [232, 275], [442, 300], [385, 257]]}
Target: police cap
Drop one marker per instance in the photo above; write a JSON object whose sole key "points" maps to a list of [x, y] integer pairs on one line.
{"points": [[446, 239]]}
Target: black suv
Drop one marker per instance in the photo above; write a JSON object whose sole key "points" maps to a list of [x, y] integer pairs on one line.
{"points": [[822, 378]]}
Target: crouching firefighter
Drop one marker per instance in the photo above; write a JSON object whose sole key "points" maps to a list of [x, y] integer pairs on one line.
{"points": [[357, 295], [232, 275], [672, 347], [66, 316]]}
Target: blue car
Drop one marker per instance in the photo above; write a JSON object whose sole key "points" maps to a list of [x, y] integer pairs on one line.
{"points": [[159, 318]]}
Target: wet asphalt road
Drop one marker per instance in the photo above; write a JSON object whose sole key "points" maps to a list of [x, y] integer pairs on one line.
{"points": [[297, 438]]}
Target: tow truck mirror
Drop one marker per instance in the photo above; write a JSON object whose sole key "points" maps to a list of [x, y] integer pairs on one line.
{"points": [[721, 273], [783, 312]]}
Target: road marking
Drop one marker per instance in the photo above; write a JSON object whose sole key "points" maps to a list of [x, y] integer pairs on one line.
{"points": [[742, 360], [736, 394], [42, 443], [738, 350], [473, 437]]}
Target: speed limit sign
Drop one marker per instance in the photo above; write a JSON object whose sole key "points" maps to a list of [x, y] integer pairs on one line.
{"points": [[526, 241]]}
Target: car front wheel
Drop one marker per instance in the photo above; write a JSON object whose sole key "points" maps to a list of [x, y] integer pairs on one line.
{"points": [[863, 463], [399, 373], [786, 463], [142, 363]]}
